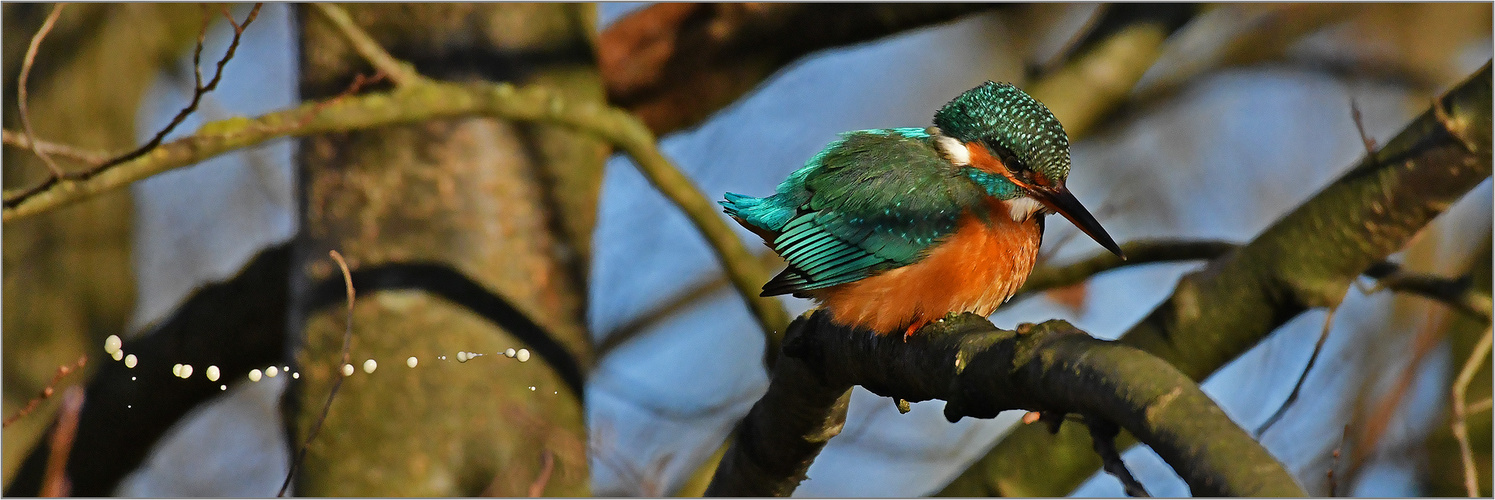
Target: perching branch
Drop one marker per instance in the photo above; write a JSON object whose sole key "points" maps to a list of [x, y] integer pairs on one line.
{"points": [[1306, 259], [980, 371]]}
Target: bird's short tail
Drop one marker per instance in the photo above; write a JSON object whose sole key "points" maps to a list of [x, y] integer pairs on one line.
{"points": [[760, 213]]}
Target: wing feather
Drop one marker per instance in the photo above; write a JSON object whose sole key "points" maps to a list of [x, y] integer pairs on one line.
{"points": [[874, 201]]}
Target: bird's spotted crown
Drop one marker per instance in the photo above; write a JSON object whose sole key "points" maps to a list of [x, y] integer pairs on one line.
{"points": [[1005, 116]]}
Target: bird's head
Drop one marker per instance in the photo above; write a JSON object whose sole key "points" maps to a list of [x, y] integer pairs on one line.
{"points": [[999, 129]]}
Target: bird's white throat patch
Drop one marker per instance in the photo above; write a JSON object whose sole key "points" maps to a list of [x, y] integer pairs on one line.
{"points": [[953, 150], [1021, 208]]}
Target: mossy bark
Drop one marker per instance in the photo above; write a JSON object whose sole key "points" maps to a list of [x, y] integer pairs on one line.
{"points": [[69, 280], [510, 205]]}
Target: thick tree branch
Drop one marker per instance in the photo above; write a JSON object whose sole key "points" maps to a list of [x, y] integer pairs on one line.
{"points": [[1306, 259], [675, 64], [980, 371]]}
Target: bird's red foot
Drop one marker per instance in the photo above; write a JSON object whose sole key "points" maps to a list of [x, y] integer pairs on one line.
{"points": [[914, 327]]}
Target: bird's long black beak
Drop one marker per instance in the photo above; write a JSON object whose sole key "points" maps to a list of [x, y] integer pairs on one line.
{"points": [[1060, 200]]}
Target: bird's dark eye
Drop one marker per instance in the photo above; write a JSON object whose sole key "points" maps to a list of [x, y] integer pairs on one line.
{"points": [[1014, 165]]}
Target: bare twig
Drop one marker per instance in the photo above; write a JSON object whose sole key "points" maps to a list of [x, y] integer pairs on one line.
{"points": [[1370, 144], [160, 136], [689, 295], [1460, 411], [36, 43], [19, 140], [537, 488], [1453, 127], [1318, 347], [1368, 436], [199, 89], [1138, 252], [1478, 406], [400, 72], [1456, 293], [62, 371], [336, 376], [1103, 437], [56, 483], [1334, 462]]}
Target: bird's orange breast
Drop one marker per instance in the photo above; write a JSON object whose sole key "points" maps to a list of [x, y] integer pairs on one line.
{"points": [[975, 269]]}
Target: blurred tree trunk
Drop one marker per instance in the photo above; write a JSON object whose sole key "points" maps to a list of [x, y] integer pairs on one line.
{"points": [[68, 276], [510, 206]]}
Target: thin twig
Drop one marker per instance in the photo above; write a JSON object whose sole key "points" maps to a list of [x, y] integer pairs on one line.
{"points": [[686, 297], [46, 392], [1318, 347], [359, 82], [1334, 463], [55, 482], [36, 43], [198, 91], [1478, 406], [1370, 144], [160, 136], [19, 140], [1454, 129], [1460, 411], [537, 488], [1428, 337], [1457, 293], [337, 377], [400, 72], [1103, 437]]}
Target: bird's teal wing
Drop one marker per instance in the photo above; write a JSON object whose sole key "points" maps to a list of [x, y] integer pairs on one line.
{"points": [[873, 201]]}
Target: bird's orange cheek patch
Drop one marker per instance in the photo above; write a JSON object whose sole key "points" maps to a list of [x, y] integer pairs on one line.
{"points": [[982, 159]]}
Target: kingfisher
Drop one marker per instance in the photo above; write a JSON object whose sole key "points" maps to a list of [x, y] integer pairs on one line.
{"points": [[891, 229]]}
